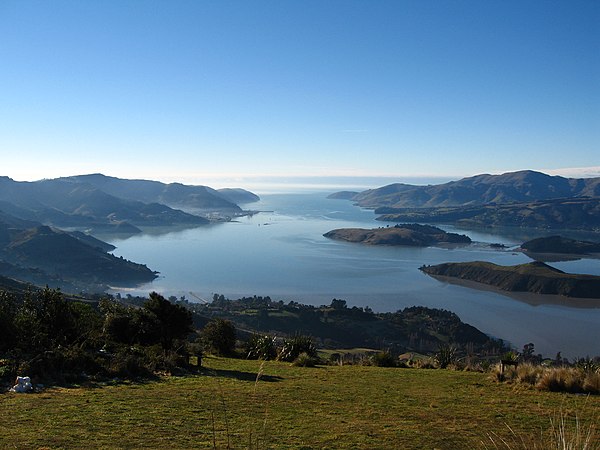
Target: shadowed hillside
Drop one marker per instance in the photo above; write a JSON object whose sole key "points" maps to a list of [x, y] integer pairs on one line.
{"points": [[535, 277]]}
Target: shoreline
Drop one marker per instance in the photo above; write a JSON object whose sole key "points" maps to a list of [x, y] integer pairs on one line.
{"points": [[524, 297]]}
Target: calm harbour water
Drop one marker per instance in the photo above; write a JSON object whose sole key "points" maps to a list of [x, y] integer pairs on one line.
{"points": [[282, 253]]}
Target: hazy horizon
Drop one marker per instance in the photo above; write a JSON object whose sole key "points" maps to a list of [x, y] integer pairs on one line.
{"points": [[278, 185], [196, 91]]}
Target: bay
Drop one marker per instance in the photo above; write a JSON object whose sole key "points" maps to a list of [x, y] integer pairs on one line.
{"points": [[281, 253]]}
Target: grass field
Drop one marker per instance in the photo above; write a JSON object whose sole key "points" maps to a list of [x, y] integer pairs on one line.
{"points": [[290, 407]]}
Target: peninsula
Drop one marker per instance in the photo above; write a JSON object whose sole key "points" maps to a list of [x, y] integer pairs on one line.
{"points": [[560, 245], [535, 277]]}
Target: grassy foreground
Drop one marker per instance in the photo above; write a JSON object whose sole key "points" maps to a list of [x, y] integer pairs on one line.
{"points": [[290, 407]]}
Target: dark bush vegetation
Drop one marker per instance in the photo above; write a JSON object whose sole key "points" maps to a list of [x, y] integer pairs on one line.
{"points": [[219, 336], [50, 338]]}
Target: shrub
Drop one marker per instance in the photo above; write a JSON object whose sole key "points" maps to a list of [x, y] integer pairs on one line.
{"points": [[295, 345], [219, 336], [426, 363], [129, 363], [305, 360], [261, 347], [587, 365], [383, 359], [445, 356]]}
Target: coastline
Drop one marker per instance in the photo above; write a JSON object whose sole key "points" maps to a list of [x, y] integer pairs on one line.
{"points": [[524, 297]]}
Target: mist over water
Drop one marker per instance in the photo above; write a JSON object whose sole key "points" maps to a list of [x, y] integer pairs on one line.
{"points": [[281, 253]]}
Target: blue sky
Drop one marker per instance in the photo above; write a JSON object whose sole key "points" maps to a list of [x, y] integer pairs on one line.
{"points": [[205, 91]]}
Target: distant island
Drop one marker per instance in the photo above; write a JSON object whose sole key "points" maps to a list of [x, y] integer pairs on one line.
{"points": [[535, 277], [516, 199], [402, 234]]}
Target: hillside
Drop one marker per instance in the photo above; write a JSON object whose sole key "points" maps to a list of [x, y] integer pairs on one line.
{"points": [[572, 213], [172, 194], [406, 234], [512, 187], [70, 203], [559, 244], [336, 325], [71, 260], [254, 404], [535, 277], [237, 195]]}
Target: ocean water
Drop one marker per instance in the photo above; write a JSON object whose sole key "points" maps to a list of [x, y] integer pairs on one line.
{"points": [[281, 252]]}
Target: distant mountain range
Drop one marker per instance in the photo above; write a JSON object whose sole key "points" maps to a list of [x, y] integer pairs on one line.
{"points": [[34, 249], [523, 199], [98, 203], [512, 187]]}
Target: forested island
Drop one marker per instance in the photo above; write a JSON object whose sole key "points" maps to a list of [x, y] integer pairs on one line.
{"points": [[409, 234], [535, 277]]}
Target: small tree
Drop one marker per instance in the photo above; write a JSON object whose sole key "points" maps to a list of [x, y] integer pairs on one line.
{"points": [[338, 304], [173, 321], [219, 336]]}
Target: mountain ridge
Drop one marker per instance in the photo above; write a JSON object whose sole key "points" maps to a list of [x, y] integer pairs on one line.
{"points": [[100, 203], [509, 187]]}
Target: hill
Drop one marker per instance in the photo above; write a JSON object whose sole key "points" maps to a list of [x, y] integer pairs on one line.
{"points": [[415, 328], [257, 404], [42, 255], [74, 204], [559, 244], [535, 277], [406, 234], [512, 187], [237, 195], [201, 198], [572, 213]]}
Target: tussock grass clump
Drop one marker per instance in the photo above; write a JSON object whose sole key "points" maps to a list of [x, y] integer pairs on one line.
{"points": [[528, 373], [591, 383], [561, 379], [564, 433], [554, 379]]}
